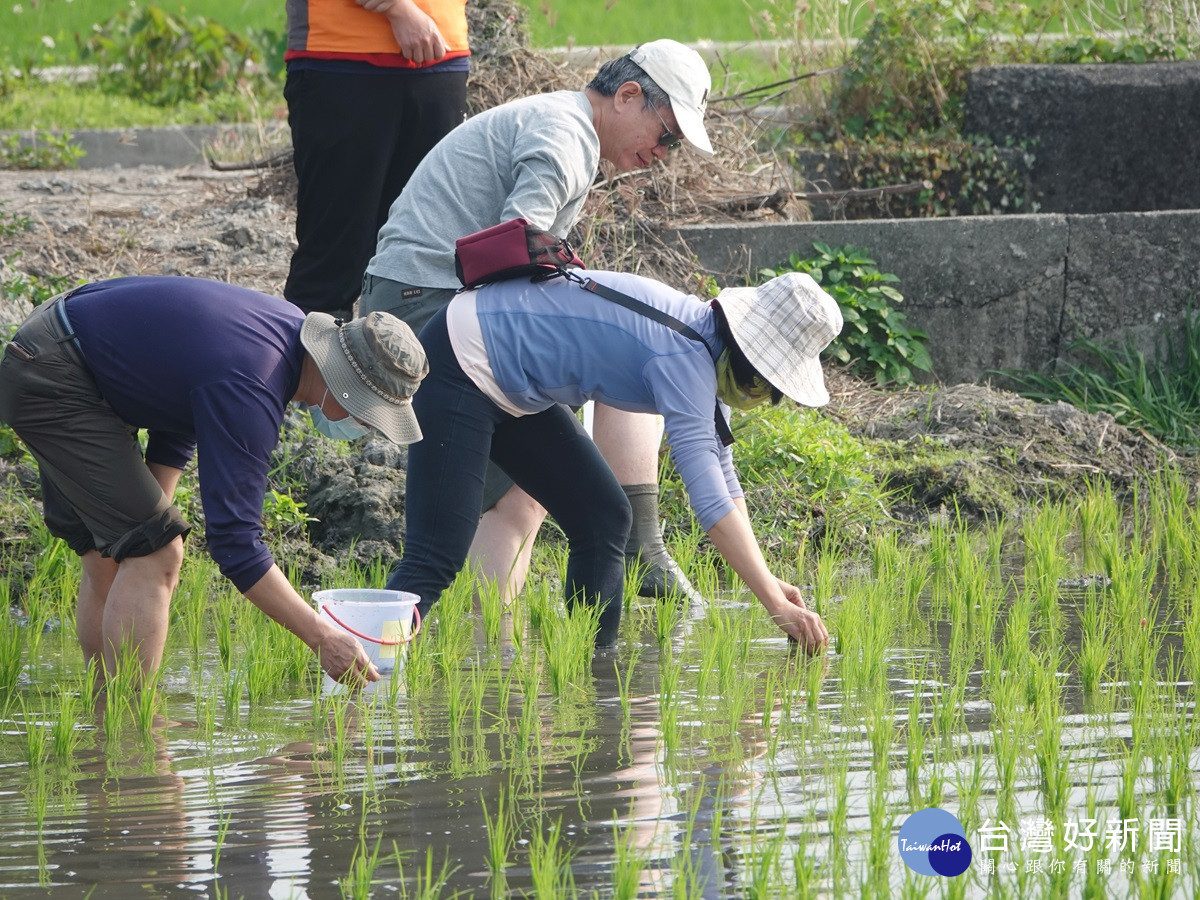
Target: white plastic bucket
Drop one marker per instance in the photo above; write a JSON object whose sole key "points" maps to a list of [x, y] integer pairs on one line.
{"points": [[383, 621]]}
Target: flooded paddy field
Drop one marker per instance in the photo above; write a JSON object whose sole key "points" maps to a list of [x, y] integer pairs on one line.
{"points": [[1033, 678]]}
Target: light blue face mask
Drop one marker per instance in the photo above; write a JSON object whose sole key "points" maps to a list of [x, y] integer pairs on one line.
{"points": [[346, 429]]}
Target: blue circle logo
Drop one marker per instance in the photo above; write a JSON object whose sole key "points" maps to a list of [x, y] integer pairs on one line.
{"points": [[933, 842]]}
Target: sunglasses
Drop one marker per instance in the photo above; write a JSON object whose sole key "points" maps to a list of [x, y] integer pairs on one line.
{"points": [[668, 138]]}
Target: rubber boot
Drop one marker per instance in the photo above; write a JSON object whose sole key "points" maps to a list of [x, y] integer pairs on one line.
{"points": [[646, 553]]}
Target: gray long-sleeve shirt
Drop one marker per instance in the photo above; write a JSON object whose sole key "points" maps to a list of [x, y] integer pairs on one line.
{"points": [[535, 157]]}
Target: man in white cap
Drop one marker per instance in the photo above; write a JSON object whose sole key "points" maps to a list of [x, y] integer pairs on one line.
{"points": [[537, 158], [202, 366]]}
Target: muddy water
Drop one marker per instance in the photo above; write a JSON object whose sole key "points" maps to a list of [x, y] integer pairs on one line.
{"points": [[257, 807]]}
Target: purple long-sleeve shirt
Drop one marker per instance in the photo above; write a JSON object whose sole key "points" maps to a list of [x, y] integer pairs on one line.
{"points": [[207, 368]]}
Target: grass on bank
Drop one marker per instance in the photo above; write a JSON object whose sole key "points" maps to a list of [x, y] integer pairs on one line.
{"points": [[43, 32], [1157, 393]]}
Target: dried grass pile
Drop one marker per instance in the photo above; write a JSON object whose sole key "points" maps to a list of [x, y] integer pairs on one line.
{"points": [[627, 215]]}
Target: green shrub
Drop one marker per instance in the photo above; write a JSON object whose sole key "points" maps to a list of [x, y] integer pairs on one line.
{"points": [[875, 341], [40, 150], [17, 286], [148, 53], [13, 223]]}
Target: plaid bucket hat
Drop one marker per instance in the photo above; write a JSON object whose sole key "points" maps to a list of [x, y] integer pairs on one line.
{"points": [[782, 326], [372, 365]]}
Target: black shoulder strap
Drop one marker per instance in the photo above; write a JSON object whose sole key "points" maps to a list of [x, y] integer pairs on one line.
{"points": [[724, 434], [647, 310]]}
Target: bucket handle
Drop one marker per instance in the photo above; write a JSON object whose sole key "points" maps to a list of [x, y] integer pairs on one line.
{"points": [[379, 640]]}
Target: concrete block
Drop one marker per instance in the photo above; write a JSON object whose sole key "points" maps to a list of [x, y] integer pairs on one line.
{"points": [[988, 291], [1107, 138], [1130, 273]]}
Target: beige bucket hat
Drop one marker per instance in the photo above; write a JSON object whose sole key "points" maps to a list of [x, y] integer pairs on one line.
{"points": [[782, 326], [372, 365]]}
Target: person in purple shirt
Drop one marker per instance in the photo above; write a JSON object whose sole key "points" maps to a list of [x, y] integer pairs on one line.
{"points": [[207, 369], [508, 359]]}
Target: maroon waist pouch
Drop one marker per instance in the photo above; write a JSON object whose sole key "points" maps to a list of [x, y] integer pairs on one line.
{"points": [[512, 249]]}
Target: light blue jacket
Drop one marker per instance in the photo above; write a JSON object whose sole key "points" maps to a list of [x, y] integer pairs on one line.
{"points": [[554, 342]]}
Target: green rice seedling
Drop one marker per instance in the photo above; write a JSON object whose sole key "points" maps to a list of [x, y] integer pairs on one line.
{"points": [[479, 680], [762, 865], [948, 709], [628, 861], [206, 716], [881, 729], [1043, 535], [806, 870], [550, 862], [771, 689], [419, 656], [454, 707], [826, 576], [839, 812], [360, 879], [916, 580], [1008, 744], [865, 630], [1047, 748], [1184, 736], [452, 628], [337, 722], [1100, 518], [670, 669], [968, 784], [668, 615], [939, 552], [223, 626], [529, 725], [36, 745], [692, 550], [814, 681], [429, 884], [689, 879], [12, 654], [882, 841], [219, 837], [231, 681], [568, 642], [190, 603], [1094, 658], [491, 609], [65, 734], [52, 588], [500, 843], [914, 758], [146, 703]]}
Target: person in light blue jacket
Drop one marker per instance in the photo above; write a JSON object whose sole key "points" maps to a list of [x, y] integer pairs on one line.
{"points": [[508, 359]]}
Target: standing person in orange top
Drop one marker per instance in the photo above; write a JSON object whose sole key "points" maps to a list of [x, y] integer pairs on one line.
{"points": [[371, 86]]}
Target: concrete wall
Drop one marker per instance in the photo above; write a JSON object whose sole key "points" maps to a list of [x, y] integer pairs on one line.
{"points": [[1000, 292], [1106, 138], [175, 145]]}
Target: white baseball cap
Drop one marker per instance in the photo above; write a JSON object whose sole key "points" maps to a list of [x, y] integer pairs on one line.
{"points": [[681, 72]]}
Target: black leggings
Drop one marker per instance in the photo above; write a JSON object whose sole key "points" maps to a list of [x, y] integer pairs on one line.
{"points": [[548, 454]]}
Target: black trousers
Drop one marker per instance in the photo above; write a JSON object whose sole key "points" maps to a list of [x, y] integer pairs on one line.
{"points": [[357, 140], [548, 454]]}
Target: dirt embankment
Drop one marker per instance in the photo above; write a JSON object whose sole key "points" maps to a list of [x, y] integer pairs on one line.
{"points": [[235, 227]]}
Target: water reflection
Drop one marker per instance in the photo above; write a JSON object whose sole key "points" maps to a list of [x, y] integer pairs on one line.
{"points": [[277, 800]]}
